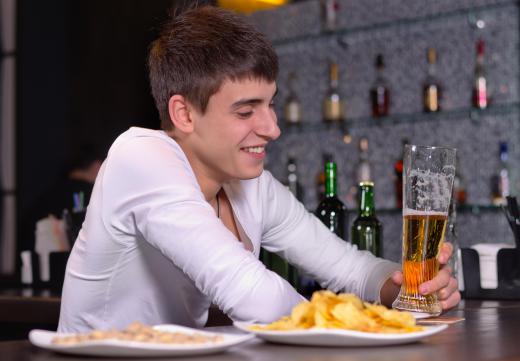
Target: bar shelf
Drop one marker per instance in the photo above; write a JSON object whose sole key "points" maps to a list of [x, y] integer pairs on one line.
{"points": [[496, 110], [343, 33]]}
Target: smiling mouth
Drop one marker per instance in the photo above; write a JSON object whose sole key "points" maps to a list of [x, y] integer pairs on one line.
{"points": [[255, 150]]}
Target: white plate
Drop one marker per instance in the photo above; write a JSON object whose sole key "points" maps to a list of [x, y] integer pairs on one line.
{"points": [[118, 348], [334, 337]]}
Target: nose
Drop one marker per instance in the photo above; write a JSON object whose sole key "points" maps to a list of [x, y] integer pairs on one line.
{"points": [[267, 125]]}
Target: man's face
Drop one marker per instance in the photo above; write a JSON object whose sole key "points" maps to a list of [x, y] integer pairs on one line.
{"points": [[229, 139]]}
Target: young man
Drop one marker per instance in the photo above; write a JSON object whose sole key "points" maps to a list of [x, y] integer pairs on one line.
{"points": [[177, 217]]}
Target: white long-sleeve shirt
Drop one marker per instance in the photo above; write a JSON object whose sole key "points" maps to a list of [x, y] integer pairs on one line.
{"points": [[152, 250]]}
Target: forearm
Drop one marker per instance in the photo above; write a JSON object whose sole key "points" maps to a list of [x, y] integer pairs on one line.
{"points": [[306, 243]]}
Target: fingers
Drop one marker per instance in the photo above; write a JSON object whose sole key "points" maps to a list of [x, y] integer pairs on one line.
{"points": [[445, 253], [446, 287], [437, 283], [451, 301], [446, 292], [397, 278]]}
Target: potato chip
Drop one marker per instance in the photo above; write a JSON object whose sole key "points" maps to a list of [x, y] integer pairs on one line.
{"points": [[351, 298], [303, 315], [343, 311], [282, 324], [352, 318], [392, 318]]}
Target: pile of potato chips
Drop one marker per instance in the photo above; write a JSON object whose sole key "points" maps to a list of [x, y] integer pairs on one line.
{"points": [[344, 311]]}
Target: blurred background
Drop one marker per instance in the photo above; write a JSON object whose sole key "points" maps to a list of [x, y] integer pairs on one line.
{"points": [[358, 79]]}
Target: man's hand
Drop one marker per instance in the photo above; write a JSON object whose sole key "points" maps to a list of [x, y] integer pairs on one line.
{"points": [[444, 284]]}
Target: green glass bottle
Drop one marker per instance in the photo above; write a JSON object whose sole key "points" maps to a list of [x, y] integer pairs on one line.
{"points": [[280, 266], [367, 230], [331, 210]]}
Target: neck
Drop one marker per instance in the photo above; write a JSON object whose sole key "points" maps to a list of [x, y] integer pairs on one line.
{"points": [[366, 203], [330, 180], [209, 185]]}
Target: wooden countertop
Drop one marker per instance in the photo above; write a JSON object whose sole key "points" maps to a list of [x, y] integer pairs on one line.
{"points": [[28, 305], [490, 332], [22, 309]]}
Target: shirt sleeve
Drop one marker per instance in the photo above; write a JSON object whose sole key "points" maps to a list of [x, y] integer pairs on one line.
{"points": [[301, 238], [151, 192]]}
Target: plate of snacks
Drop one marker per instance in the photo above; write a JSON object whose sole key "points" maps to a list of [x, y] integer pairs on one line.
{"points": [[138, 340], [341, 320]]}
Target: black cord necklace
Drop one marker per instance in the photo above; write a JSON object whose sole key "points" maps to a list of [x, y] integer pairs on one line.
{"points": [[218, 207]]}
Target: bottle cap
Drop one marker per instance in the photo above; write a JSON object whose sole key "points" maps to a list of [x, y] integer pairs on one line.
{"points": [[330, 166], [327, 157], [379, 61], [480, 47], [334, 74], [503, 147], [363, 144], [432, 56]]}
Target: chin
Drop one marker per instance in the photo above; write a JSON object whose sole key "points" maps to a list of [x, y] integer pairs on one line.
{"points": [[251, 173]]}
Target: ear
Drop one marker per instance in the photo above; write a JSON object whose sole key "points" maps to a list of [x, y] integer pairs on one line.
{"points": [[179, 111]]}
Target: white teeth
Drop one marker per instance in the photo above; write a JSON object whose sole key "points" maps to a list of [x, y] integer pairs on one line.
{"points": [[254, 149]]}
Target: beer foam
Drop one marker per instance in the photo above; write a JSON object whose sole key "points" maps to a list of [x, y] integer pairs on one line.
{"points": [[429, 191], [415, 212]]}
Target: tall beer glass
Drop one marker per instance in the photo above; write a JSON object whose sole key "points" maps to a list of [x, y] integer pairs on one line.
{"points": [[427, 185]]}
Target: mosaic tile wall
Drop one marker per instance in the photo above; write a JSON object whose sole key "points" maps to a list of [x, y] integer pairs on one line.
{"points": [[401, 30]]}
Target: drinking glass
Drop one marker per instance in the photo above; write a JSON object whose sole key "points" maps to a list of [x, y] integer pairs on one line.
{"points": [[427, 186]]}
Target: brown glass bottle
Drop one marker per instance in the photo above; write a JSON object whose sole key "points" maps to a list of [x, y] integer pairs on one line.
{"points": [[432, 90], [333, 103], [292, 109], [398, 177], [480, 94], [380, 93]]}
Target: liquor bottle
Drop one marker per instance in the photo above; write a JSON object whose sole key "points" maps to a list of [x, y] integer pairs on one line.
{"points": [[320, 178], [379, 93], [460, 194], [331, 210], [362, 174], [366, 230], [480, 95], [398, 177], [292, 179], [363, 165], [500, 180], [280, 266], [451, 236], [329, 13], [273, 261], [333, 104], [432, 88], [292, 107]]}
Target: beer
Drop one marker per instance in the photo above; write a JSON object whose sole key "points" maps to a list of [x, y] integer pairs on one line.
{"points": [[427, 185], [423, 232]]}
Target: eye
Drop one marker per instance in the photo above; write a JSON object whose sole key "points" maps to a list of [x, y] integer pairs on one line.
{"points": [[245, 112], [244, 115]]}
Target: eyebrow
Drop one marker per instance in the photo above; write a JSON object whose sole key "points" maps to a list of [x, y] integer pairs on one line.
{"points": [[252, 101]]}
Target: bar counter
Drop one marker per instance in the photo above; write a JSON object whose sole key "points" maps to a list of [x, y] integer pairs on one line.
{"points": [[22, 309], [489, 332]]}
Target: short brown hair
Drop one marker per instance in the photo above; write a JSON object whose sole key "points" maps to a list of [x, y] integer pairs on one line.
{"points": [[200, 48]]}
